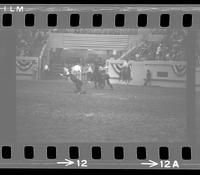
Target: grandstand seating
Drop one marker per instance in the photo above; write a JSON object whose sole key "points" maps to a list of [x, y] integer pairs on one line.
{"points": [[30, 42], [171, 47]]}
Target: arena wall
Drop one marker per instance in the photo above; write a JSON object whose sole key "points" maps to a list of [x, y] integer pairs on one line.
{"points": [[164, 73]]}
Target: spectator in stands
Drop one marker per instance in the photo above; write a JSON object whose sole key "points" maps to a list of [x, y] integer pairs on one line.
{"points": [[148, 78], [30, 41], [137, 57]]}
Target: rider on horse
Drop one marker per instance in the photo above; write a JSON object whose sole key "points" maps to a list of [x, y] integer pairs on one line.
{"points": [[77, 82]]}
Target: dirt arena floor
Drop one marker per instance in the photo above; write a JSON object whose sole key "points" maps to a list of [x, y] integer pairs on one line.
{"points": [[49, 111]]}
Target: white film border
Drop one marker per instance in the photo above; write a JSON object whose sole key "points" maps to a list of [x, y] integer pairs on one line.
{"points": [[99, 87]]}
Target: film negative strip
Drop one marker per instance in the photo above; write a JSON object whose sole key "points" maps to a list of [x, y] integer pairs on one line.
{"points": [[93, 86]]}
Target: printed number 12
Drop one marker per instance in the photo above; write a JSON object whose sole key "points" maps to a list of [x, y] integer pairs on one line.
{"points": [[82, 163]]}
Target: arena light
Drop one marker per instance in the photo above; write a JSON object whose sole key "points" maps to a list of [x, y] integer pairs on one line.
{"points": [[114, 52], [137, 55]]}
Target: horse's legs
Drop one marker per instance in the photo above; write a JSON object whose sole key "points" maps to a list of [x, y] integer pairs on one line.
{"points": [[128, 80], [78, 86], [102, 82], [95, 84], [98, 79], [109, 84]]}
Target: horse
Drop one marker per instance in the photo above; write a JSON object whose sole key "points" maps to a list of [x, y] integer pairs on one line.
{"points": [[98, 79], [76, 81], [94, 74], [106, 79], [89, 74]]}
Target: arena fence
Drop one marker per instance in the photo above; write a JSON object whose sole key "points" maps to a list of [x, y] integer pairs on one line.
{"points": [[164, 73]]}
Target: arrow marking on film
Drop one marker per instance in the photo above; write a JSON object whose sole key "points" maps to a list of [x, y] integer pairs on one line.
{"points": [[151, 163], [66, 163]]}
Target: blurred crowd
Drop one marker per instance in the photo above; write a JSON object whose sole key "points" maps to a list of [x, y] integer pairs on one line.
{"points": [[30, 42], [171, 47]]}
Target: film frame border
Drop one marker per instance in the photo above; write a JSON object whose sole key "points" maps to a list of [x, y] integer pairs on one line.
{"points": [[87, 14]]}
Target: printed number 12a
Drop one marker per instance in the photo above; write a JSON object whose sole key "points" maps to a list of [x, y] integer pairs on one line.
{"points": [[168, 164]]}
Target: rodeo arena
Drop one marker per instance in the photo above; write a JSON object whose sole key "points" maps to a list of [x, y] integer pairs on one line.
{"points": [[101, 85]]}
